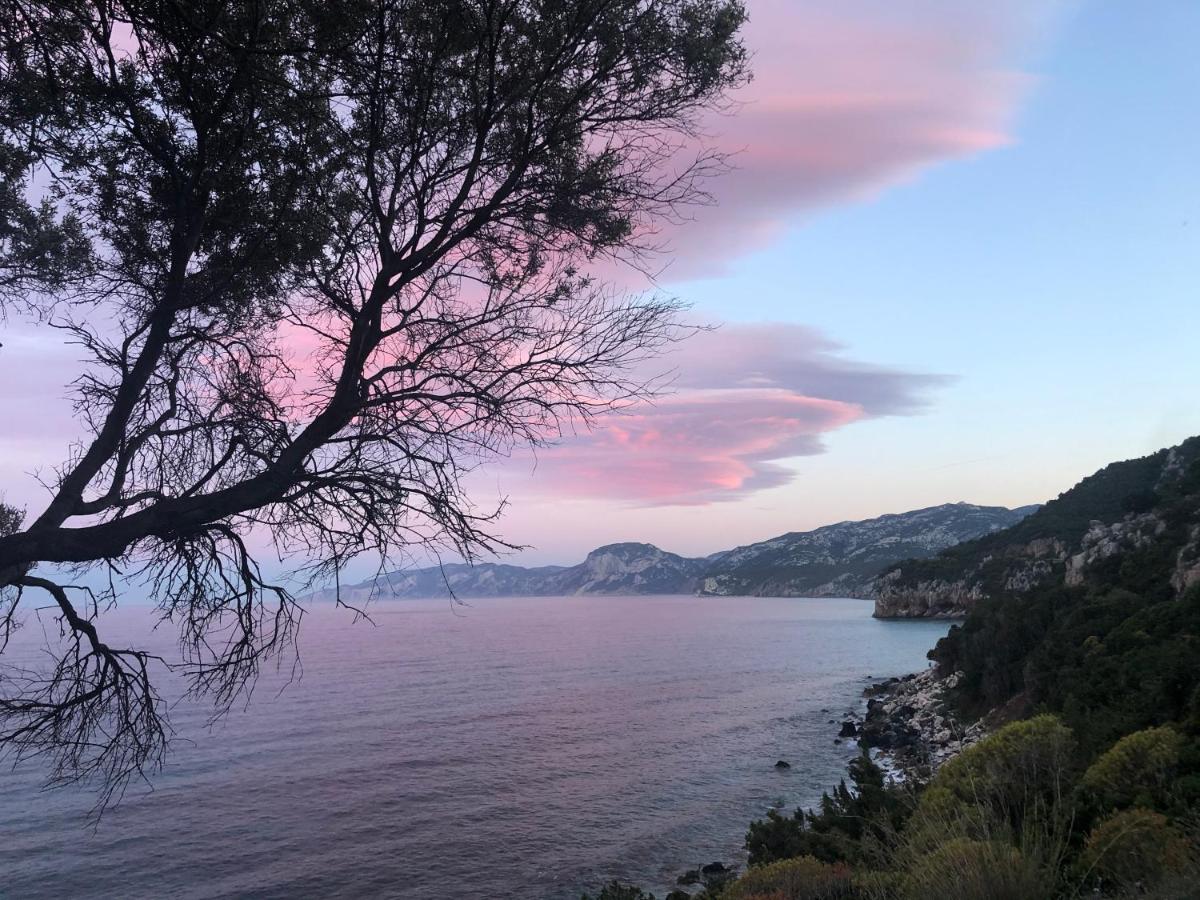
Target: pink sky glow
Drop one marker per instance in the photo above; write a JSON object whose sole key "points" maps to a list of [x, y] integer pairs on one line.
{"points": [[847, 99]]}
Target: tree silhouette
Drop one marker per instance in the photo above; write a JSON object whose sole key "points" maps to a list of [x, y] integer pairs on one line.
{"points": [[323, 257]]}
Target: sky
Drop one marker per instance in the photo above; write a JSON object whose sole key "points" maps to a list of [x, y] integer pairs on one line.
{"points": [[957, 260], [989, 213]]}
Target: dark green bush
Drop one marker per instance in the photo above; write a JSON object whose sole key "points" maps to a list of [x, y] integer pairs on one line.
{"points": [[1134, 848], [803, 878], [1139, 769], [963, 869], [848, 824]]}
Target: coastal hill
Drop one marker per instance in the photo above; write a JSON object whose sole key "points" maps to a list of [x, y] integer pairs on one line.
{"points": [[836, 560], [1125, 507], [1053, 751]]}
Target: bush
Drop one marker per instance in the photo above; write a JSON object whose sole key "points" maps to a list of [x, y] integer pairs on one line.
{"points": [[779, 837], [871, 885], [1009, 787], [1134, 847], [804, 878], [849, 823], [616, 890], [1137, 770], [963, 869], [1021, 759]]}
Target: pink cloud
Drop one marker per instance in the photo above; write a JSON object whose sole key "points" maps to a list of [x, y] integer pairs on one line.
{"points": [[848, 99], [745, 398]]}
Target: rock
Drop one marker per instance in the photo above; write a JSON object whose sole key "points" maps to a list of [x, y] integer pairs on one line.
{"points": [[783, 764], [907, 723], [849, 730], [691, 876], [679, 895], [714, 868]]}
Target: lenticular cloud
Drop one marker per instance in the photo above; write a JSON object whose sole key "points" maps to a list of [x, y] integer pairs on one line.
{"points": [[848, 99], [744, 398]]}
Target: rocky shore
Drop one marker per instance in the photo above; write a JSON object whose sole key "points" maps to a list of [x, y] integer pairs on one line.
{"points": [[907, 726]]}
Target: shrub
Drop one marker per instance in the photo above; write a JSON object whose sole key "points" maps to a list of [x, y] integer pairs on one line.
{"points": [[803, 878], [777, 837], [1134, 847], [872, 885], [1137, 770], [616, 890], [1018, 775], [1008, 787], [1022, 760], [963, 869], [850, 822]]}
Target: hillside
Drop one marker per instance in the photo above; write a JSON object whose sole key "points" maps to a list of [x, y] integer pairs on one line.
{"points": [[1054, 750], [1117, 509], [1108, 633], [841, 560]]}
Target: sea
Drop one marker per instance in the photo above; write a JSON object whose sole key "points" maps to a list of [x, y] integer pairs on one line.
{"points": [[525, 748]]}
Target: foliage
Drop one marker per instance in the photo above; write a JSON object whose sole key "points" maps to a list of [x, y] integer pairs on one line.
{"points": [[1019, 769], [617, 890], [1104, 496], [1134, 847], [963, 869], [1099, 790], [10, 519], [1011, 789], [1138, 770], [1116, 654], [847, 825], [802, 878]]}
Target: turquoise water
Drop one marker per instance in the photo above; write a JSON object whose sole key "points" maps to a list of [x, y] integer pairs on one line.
{"points": [[526, 748]]}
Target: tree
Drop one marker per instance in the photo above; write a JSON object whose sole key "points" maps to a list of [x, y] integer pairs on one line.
{"points": [[323, 258]]}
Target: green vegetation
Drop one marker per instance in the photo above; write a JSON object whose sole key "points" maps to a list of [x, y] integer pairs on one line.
{"points": [[1018, 816], [1117, 490], [1089, 784]]}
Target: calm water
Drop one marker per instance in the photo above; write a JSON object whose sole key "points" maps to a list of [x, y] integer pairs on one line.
{"points": [[525, 748]]}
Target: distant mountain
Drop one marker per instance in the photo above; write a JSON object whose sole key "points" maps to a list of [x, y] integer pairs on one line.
{"points": [[840, 560], [1126, 506], [837, 560]]}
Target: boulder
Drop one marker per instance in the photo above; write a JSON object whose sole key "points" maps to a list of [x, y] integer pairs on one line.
{"points": [[849, 730], [783, 764]]}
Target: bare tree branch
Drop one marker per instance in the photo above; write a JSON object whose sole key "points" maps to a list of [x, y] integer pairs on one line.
{"points": [[324, 259]]}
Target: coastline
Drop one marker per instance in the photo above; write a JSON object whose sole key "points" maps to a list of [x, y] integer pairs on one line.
{"points": [[907, 727]]}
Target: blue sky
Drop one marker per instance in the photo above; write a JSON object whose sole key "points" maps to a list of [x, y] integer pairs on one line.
{"points": [[1054, 278]]}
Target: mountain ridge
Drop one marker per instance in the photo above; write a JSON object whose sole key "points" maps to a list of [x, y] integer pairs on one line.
{"points": [[833, 560]]}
